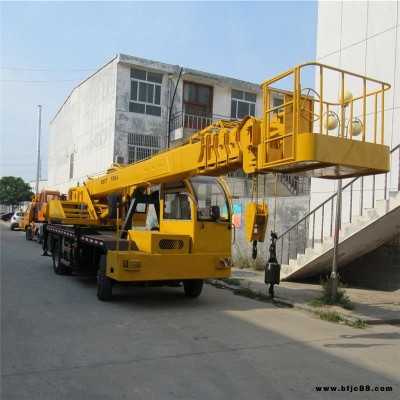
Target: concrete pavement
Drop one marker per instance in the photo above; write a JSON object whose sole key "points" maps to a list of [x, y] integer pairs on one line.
{"points": [[371, 306], [59, 342]]}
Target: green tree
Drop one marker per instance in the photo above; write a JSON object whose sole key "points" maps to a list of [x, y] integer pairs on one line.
{"points": [[14, 190]]}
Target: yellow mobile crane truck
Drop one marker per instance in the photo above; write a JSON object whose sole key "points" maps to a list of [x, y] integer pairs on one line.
{"points": [[315, 131], [37, 214]]}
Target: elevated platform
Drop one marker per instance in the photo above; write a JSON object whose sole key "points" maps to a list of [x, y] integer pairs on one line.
{"points": [[322, 156]]}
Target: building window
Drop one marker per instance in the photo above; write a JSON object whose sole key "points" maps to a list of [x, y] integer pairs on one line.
{"points": [[276, 102], [142, 146], [145, 92], [239, 174], [197, 105], [71, 165], [242, 104]]}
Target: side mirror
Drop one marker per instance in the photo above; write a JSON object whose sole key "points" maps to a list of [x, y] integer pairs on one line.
{"points": [[215, 213]]}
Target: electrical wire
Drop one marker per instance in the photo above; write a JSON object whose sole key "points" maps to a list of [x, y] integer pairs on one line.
{"points": [[24, 81], [46, 70]]}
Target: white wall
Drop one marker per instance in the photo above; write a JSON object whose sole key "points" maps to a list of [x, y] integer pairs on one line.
{"points": [[43, 184], [129, 122], [84, 125], [363, 37], [94, 122]]}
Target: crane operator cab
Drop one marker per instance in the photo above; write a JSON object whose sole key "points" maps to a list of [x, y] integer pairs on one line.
{"points": [[203, 197], [192, 242]]}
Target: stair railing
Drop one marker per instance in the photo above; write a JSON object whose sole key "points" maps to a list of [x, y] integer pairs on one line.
{"points": [[319, 223]]}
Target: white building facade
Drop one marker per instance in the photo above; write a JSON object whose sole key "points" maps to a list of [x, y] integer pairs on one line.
{"points": [[364, 37], [132, 108]]}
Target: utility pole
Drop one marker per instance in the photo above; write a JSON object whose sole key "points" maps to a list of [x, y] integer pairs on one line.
{"points": [[334, 273], [38, 148]]}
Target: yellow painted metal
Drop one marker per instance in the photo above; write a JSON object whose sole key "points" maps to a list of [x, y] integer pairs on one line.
{"points": [[160, 243], [81, 195], [293, 137], [256, 217], [38, 209], [138, 266], [322, 156], [70, 213], [290, 138], [292, 131]]}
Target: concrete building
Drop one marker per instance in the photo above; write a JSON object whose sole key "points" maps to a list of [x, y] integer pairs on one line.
{"points": [[364, 37], [366, 40], [131, 108], [43, 184], [361, 37]]}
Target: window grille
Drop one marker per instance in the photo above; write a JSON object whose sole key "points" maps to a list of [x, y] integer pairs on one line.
{"points": [[197, 105], [142, 146]]}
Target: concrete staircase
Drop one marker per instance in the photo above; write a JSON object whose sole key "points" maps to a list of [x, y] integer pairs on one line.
{"points": [[365, 233]]}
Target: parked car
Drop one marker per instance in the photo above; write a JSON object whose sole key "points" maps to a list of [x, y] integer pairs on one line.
{"points": [[6, 216], [15, 220]]}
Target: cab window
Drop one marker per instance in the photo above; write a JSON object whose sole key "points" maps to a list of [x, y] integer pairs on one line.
{"points": [[177, 205]]}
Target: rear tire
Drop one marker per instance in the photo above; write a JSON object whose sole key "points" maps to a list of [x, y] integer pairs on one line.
{"points": [[59, 267], [193, 287], [39, 237], [104, 283], [28, 234]]}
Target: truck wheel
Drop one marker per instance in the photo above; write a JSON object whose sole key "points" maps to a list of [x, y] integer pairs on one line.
{"points": [[193, 287], [104, 283], [39, 237], [28, 234], [59, 267]]}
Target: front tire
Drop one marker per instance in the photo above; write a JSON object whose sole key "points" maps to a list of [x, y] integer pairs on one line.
{"points": [[193, 287], [104, 283]]}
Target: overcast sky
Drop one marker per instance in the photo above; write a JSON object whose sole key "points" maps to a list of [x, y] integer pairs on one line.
{"points": [[47, 48]]}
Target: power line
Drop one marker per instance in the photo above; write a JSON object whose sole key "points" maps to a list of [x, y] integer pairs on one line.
{"points": [[46, 70], [56, 80], [24, 81], [17, 165]]}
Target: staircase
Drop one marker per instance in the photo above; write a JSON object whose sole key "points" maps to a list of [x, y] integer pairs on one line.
{"points": [[369, 219]]}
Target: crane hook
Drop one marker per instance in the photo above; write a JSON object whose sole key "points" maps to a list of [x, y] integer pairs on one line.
{"points": [[254, 251]]}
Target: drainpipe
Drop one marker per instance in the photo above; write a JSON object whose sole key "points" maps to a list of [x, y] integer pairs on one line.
{"points": [[170, 109]]}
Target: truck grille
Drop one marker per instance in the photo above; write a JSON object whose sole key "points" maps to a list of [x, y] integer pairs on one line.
{"points": [[170, 244]]}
